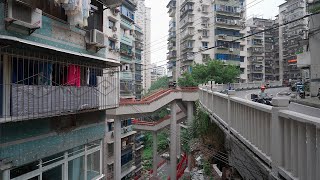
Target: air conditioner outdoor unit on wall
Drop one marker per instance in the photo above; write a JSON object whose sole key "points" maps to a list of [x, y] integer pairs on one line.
{"points": [[22, 14], [96, 37]]}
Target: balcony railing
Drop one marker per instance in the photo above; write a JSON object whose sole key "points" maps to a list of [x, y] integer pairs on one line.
{"points": [[37, 88]]}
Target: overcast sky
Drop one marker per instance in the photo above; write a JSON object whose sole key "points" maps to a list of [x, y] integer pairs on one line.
{"points": [[160, 22]]}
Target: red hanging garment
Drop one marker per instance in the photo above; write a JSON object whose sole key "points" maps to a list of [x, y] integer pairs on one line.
{"points": [[73, 78]]}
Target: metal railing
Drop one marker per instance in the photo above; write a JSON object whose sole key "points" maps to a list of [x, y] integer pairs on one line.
{"points": [[239, 86], [39, 87], [287, 141]]}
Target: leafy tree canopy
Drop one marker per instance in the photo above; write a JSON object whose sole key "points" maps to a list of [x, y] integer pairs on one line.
{"points": [[160, 83], [213, 70]]}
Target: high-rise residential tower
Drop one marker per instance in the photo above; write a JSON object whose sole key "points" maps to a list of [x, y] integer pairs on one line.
{"points": [[290, 36], [143, 20], [261, 50], [197, 25]]}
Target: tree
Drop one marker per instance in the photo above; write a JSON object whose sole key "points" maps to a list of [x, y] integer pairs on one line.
{"points": [[160, 83], [213, 70]]}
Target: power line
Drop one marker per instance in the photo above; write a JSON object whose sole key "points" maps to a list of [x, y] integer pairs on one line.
{"points": [[244, 37], [227, 3], [165, 46]]}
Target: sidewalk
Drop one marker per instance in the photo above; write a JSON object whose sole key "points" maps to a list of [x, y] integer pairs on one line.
{"points": [[308, 101]]}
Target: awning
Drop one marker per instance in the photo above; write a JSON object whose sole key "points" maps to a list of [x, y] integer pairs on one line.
{"points": [[292, 61], [109, 62]]}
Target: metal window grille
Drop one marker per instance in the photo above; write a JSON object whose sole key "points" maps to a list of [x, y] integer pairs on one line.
{"points": [[38, 84]]}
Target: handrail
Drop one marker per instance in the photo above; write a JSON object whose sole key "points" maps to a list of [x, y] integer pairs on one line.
{"points": [[146, 123], [158, 95]]}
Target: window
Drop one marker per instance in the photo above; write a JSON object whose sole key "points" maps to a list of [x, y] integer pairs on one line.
{"points": [[204, 8], [242, 70], [76, 166], [241, 58], [111, 24], [241, 47], [205, 33], [205, 57], [93, 165], [190, 44], [111, 124], [126, 12], [95, 20], [50, 7], [112, 44], [205, 44]]}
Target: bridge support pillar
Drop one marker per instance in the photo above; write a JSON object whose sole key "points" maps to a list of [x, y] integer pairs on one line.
{"points": [[117, 149], [179, 141], [190, 109], [155, 154], [173, 142]]}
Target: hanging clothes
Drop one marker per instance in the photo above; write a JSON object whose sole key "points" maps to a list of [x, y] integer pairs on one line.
{"points": [[86, 11], [45, 74], [74, 11], [73, 77]]}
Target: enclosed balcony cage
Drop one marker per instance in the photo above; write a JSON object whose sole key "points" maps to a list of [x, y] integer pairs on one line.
{"points": [[37, 83]]}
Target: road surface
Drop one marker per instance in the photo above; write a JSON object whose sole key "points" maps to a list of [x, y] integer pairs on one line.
{"points": [[276, 92]]}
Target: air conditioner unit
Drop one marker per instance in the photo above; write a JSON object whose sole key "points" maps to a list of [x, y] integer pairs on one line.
{"points": [[24, 16], [231, 49], [96, 37], [114, 28]]}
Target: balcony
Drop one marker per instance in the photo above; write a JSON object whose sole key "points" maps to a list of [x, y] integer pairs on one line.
{"points": [[126, 75], [224, 12], [256, 50], [228, 22], [172, 55], [39, 91], [186, 8], [139, 46], [224, 37], [138, 77], [226, 50], [172, 8], [172, 36], [127, 40]]}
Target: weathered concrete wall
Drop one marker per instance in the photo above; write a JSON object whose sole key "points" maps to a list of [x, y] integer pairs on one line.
{"points": [[243, 160], [53, 33], [28, 141]]}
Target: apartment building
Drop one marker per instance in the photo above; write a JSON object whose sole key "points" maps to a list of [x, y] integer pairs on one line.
{"points": [[143, 19], [290, 36], [157, 72], [130, 64], [172, 47], [228, 22], [58, 76], [308, 60], [131, 146], [261, 50], [197, 25]]}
